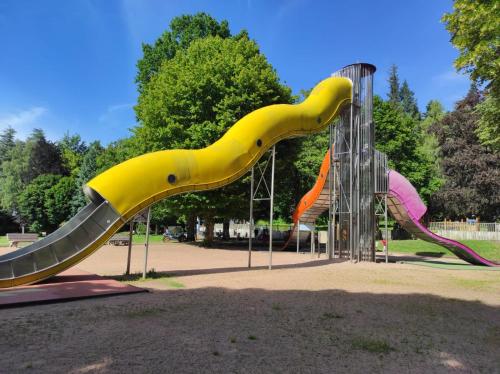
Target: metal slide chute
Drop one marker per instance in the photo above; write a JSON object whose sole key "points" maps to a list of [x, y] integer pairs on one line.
{"points": [[313, 203], [407, 208], [119, 193]]}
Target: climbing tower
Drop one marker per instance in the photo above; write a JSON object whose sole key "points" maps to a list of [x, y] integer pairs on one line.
{"points": [[352, 211]]}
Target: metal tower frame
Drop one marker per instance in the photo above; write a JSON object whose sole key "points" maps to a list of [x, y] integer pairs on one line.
{"points": [[353, 170]]}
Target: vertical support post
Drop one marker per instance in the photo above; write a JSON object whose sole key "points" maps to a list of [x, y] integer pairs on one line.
{"points": [[250, 222], [271, 208], [146, 245], [298, 235], [331, 198], [351, 168], [130, 237], [386, 231]]}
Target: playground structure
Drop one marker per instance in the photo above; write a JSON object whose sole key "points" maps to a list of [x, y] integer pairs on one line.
{"points": [[166, 173], [351, 183], [360, 186]]}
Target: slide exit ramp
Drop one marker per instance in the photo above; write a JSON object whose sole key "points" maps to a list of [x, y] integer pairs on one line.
{"points": [[407, 208]]}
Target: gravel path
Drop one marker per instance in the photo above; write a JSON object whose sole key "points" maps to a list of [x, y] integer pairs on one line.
{"points": [[306, 316]]}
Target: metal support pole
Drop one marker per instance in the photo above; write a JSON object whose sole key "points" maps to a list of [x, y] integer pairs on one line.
{"points": [[271, 210], [250, 223], [386, 231], [146, 245], [298, 235], [130, 237], [351, 164], [331, 198]]}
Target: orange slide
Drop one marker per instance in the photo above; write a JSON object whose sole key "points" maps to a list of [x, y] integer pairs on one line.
{"points": [[314, 202]]}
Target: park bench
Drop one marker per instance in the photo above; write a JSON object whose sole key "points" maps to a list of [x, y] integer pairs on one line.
{"points": [[119, 239], [16, 238]]}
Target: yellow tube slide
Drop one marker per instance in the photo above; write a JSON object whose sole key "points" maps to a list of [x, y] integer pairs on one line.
{"points": [[125, 189], [135, 184]]}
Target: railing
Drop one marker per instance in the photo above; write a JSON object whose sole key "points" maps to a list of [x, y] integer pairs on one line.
{"points": [[466, 230]]}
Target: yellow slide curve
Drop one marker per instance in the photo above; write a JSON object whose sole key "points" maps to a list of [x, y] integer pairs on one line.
{"points": [[133, 185]]}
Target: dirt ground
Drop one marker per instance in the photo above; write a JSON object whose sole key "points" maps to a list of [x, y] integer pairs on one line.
{"points": [[207, 313]]}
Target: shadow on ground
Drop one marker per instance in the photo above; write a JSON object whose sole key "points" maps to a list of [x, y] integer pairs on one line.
{"points": [[253, 331]]}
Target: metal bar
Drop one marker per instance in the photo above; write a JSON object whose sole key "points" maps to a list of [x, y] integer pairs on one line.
{"points": [[130, 237], [298, 235], [250, 222], [271, 210], [351, 236], [386, 231], [331, 198], [146, 249]]}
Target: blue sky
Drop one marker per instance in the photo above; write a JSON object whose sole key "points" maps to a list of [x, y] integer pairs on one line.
{"points": [[69, 66]]}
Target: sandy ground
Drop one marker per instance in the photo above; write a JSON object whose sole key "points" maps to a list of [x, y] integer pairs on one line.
{"points": [[305, 316]]}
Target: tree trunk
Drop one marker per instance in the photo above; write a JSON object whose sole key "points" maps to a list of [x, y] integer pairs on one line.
{"points": [[209, 229], [191, 228], [225, 229]]}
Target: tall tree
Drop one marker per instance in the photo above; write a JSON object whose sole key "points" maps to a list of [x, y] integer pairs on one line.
{"points": [[32, 203], [58, 201], [44, 157], [7, 142], [183, 30], [471, 171], [394, 87], [474, 30], [194, 99], [488, 129], [87, 171], [12, 181], [473, 26], [72, 150], [396, 134], [408, 101]]}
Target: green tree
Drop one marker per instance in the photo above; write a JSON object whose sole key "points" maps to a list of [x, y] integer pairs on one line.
{"points": [[44, 157], [394, 87], [474, 29], [183, 30], [408, 101], [58, 199], [87, 171], [471, 170], [196, 96], [12, 179], [488, 129], [72, 150], [7, 142], [397, 135], [32, 202]]}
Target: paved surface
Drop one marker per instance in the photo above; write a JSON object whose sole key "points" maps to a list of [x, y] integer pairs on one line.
{"points": [[73, 284]]}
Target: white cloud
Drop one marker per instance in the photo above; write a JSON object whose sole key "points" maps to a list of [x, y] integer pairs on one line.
{"points": [[115, 111], [22, 121], [450, 77]]}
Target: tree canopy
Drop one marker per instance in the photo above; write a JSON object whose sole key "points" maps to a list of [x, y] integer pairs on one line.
{"points": [[471, 171], [183, 30]]}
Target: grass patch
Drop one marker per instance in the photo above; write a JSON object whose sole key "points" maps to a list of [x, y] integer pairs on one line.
{"points": [[276, 307], [371, 345], [485, 248], [141, 239], [164, 278], [473, 283], [252, 337], [331, 316], [3, 241], [232, 339]]}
